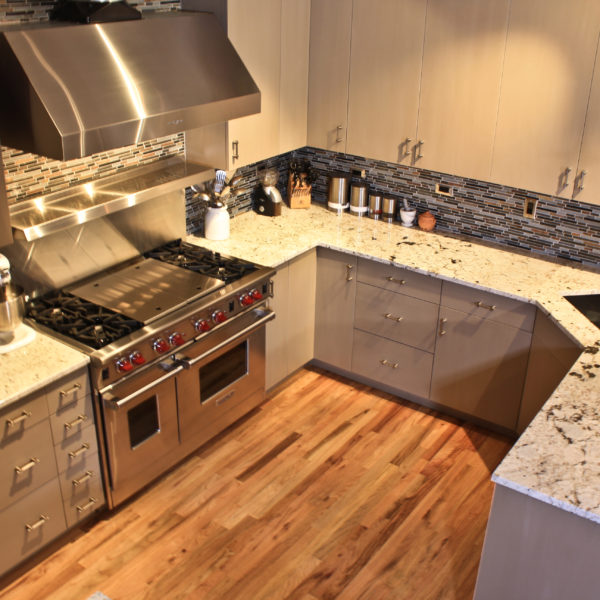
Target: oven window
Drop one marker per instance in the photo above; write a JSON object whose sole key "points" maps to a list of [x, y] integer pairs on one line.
{"points": [[223, 371], [143, 421]]}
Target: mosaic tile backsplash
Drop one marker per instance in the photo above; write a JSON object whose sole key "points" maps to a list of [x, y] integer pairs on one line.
{"points": [[29, 175], [564, 229]]}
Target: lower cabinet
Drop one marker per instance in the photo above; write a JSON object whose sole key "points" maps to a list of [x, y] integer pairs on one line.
{"points": [[49, 467], [290, 336], [479, 367], [334, 312]]}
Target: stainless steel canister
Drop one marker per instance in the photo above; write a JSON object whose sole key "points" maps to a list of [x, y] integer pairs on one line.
{"points": [[338, 193], [389, 209], [375, 204], [358, 198]]}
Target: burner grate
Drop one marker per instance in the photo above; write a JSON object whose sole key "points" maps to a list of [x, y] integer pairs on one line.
{"points": [[202, 260], [80, 320]]}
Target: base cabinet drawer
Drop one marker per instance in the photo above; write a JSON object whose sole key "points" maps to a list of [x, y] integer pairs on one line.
{"points": [[395, 316], [402, 367], [30, 524]]}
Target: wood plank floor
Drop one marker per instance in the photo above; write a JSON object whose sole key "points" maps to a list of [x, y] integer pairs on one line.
{"points": [[329, 490]]}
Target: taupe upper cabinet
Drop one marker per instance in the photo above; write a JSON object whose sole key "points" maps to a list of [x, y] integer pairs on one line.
{"points": [[586, 183], [385, 70], [550, 52], [330, 29], [460, 85]]}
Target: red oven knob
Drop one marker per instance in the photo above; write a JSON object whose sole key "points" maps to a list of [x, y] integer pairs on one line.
{"points": [[176, 339], [160, 346], [246, 300], [202, 325], [256, 295], [136, 358], [219, 316], [123, 365]]}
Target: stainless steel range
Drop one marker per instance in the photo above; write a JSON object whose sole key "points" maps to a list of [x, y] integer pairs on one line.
{"points": [[176, 340]]}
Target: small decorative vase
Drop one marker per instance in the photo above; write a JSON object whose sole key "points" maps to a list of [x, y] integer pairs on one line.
{"points": [[426, 221], [408, 217]]}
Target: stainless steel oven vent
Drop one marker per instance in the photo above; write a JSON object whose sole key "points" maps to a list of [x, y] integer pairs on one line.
{"points": [[71, 90]]}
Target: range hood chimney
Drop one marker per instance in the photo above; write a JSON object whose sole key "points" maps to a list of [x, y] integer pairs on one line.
{"points": [[71, 90]]}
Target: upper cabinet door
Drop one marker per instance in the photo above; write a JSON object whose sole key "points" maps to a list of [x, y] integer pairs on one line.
{"points": [[330, 29], [293, 101], [385, 71], [550, 52], [586, 183], [254, 28], [460, 87]]}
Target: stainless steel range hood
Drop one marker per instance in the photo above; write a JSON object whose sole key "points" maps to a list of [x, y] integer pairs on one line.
{"points": [[73, 90]]}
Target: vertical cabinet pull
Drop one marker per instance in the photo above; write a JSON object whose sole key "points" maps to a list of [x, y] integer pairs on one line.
{"points": [[443, 322], [406, 145], [338, 134], [349, 272], [235, 150], [37, 524], [419, 149], [16, 420], [565, 177], [579, 181], [72, 390]]}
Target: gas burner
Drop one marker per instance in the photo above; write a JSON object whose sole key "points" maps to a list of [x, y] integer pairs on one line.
{"points": [[201, 260], [83, 321]]}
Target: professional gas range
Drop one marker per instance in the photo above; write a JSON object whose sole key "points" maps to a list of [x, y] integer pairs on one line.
{"points": [[176, 342]]}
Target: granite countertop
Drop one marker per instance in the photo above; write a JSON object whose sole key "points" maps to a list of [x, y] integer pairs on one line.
{"points": [[557, 458], [31, 367]]}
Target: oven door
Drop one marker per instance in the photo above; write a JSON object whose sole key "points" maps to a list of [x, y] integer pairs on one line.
{"points": [[141, 429], [224, 378]]}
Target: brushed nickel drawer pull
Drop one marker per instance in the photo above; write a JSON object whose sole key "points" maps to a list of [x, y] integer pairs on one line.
{"points": [[77, 421], [387, 363], [348, 272], [72, 390], [482, 305], [85, 477], [75, 453], [16, 420], [443, 321], [38, 523], [393, 318], [338, 134], [87, 506], [28, 465], [400, 281]]}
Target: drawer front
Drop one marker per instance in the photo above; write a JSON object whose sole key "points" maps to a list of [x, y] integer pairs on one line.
{"points": [[18, 418], [399, 280], [395, 316], [402, 367], [82, 491], [27, 464], [68, 391], [81, 509], [73, 453], [486, 305], [42, 511], [70, 421]]}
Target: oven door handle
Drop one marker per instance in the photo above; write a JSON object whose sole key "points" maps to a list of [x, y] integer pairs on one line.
{"points": [[115, 402], [186, 363]]}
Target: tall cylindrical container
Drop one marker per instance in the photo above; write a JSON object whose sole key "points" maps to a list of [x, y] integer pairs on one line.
{"points": [[337, 200], [375, 206], [358, 198], [388, 210]]}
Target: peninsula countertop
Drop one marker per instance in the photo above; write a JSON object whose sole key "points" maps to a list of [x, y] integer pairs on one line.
{"points": [[557, 458]]}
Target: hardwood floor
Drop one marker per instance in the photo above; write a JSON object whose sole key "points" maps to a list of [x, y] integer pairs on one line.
{"points": [[329, 490]]}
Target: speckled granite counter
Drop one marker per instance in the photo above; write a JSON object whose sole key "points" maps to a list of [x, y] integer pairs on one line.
{"points": [[34, 366], [557, 459]]}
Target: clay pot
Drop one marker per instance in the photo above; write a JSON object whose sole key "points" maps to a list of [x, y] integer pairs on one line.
{"points": [[426, 221]]}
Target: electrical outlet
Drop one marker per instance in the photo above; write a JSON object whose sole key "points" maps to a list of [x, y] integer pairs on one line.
{"points": [[529, 208], [443, 189]]}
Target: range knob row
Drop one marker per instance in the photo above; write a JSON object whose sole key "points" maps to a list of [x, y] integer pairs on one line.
{"points": [[126, 363], [249, 298]]}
